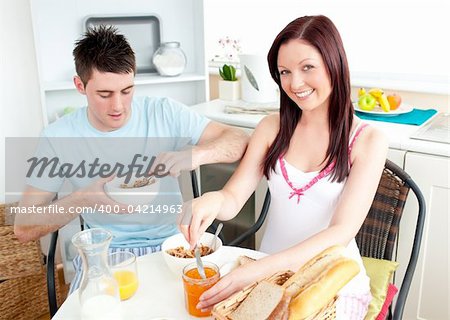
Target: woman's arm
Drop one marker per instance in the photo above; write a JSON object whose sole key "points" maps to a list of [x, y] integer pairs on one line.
{"points": [[225, 204], [368, 158]]}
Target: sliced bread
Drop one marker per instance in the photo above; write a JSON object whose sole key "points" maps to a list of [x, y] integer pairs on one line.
{"points": [[260, 302]]}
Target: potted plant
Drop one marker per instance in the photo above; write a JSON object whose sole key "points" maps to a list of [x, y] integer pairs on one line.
{"points": [[229, 85]]}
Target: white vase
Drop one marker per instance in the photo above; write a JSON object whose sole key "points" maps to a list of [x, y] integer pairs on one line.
{"points": [[229, 90]]}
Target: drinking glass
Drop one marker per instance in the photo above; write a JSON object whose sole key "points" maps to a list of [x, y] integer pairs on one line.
{"points": [[194, 285], [124, 269]]}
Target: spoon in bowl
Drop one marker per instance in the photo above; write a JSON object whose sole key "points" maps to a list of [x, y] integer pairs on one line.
{"points": [[214, 241]]}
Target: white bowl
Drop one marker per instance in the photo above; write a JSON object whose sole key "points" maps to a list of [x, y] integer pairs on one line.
{"points": [[177, 264], [132, 195]]}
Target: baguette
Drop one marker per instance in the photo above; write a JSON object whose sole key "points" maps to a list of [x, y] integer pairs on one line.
{"points": [[318, 282], [311, 269]]}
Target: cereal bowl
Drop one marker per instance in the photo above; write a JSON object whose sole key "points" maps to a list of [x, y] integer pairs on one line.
{"points": [[138, 191], [176, 264]]}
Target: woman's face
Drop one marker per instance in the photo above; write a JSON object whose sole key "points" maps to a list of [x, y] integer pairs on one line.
{"points": [[303, 75]]}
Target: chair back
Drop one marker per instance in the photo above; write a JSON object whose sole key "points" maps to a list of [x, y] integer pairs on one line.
{"points": [[378, 234], [22, 273], [376, 238]]}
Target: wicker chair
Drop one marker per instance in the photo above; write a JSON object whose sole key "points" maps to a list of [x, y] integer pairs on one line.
{"points": [[22, 273], [378, 234]]}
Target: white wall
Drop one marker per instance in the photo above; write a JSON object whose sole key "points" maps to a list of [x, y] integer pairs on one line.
{"points": [[386, 40], [20, 106], [255, 22]]}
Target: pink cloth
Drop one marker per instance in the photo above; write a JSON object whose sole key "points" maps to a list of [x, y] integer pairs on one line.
{"points": [[352, 307], [392, 290]]}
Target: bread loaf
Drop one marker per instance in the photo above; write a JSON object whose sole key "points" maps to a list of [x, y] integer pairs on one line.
{"points": [[304, 294], [318, 282]]}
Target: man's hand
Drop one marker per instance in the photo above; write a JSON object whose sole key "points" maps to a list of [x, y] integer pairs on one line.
{"points": [[94, 194]]}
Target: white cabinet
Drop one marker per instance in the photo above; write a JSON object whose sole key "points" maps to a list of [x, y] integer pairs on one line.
{"points": [[429, 294], [58, 24]]}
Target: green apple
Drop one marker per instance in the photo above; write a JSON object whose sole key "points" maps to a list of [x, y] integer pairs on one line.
{"points": [[367, 102]]}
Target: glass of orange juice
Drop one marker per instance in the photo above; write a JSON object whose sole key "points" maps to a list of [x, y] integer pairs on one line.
{"points": [[194, 285], [124, 269]]}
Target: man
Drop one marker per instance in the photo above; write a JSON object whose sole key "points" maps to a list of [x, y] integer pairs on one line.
{"points": [[105, 65]]}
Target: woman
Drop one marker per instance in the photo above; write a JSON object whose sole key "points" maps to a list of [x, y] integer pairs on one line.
{"points": [[323, 165]]}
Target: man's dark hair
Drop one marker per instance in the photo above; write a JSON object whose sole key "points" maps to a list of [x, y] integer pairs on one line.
{"points": [[104, 49]]}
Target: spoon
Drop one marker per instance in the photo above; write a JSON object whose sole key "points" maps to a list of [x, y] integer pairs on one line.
{"points": [[200, 268], [214, 241]]}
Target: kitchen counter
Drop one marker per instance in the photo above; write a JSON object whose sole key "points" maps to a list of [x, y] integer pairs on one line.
{"points": [[398, 134]]}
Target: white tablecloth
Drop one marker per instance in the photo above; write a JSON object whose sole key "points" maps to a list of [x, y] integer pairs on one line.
{"points": [[160, 293]]}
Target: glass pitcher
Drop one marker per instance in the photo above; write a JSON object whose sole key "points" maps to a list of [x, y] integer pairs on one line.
{"points": [[99, 291]]}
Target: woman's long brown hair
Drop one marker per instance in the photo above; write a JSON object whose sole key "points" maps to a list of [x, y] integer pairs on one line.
{"points": [[320, 32]]}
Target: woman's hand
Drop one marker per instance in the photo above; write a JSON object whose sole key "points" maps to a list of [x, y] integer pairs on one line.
{"points": [[229, 284], [198, 214]]}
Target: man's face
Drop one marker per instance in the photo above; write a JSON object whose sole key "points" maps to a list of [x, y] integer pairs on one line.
{"points": [[109, 98]]}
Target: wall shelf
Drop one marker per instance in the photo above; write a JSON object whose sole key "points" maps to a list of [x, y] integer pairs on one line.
{"points": [[54, 47], [140, 79]]}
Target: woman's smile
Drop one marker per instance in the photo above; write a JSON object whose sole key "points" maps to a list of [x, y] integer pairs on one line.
{"points": [[304, 94]]}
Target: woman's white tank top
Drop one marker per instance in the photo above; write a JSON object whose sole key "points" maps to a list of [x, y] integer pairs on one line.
{"points": [[293, 218]]}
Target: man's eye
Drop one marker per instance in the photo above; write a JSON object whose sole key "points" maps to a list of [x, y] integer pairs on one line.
{"points": [[126, 92], [104, 96]]}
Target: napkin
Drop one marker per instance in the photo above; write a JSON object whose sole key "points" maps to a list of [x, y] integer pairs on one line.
{"points": [[232, 109], [415, 117], [252, 108]]}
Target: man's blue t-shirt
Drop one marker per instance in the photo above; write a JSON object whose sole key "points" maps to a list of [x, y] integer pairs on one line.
{"points": [[167, 123]]}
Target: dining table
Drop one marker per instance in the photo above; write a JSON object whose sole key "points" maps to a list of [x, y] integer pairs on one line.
{"points": [[160, 294]]}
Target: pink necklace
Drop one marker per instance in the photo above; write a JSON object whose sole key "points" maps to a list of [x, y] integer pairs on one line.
{"points": [[300, 191]]}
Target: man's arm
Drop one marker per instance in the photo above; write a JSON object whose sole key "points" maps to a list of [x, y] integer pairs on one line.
{"points": [[41, 215], [219, 143], [34, 223]]}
